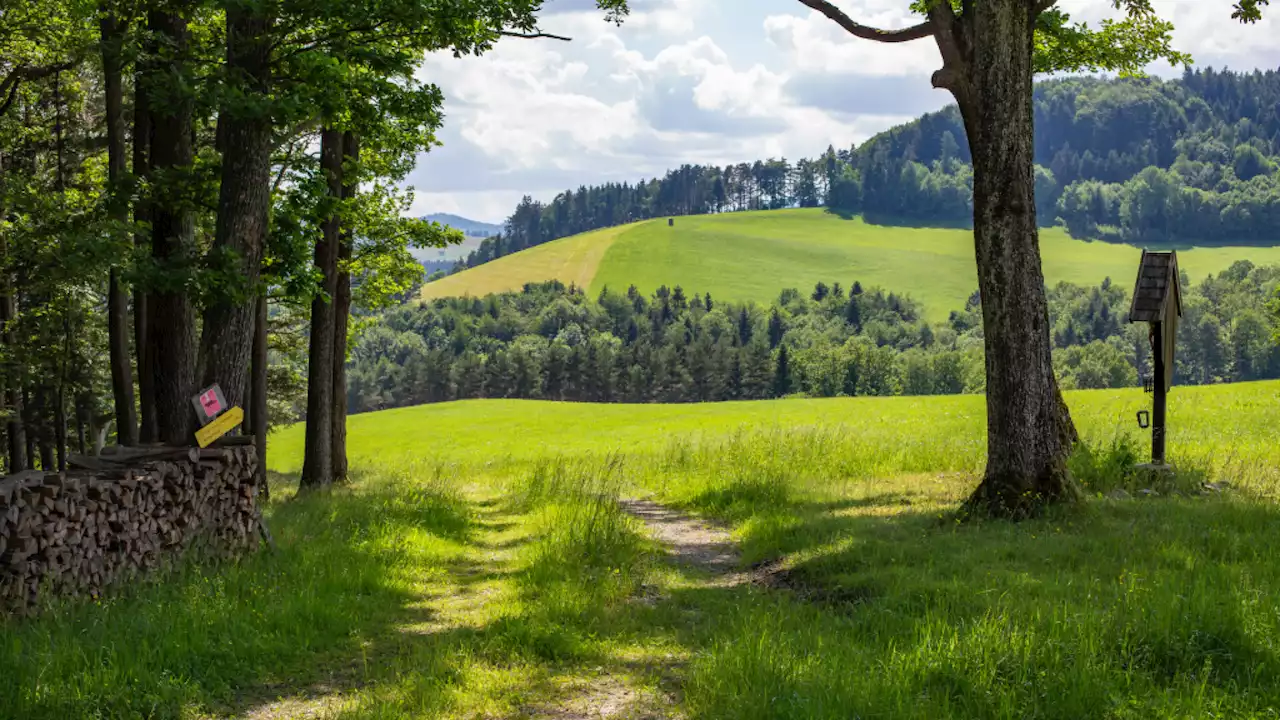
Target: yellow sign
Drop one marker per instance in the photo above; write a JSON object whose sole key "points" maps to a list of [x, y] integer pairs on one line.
{"points": [[220, 426]]}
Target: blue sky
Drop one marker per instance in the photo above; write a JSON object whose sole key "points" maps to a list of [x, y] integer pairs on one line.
{"points": [[708, 81]]}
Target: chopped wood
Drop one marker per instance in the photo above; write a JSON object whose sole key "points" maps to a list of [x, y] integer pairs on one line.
{"points": [[128, 512]]}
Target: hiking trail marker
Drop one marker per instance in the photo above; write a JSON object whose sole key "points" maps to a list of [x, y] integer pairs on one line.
{"points": [[1157, 301], [216, 419]]}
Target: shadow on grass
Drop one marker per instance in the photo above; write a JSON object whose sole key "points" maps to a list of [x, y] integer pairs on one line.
{"points": [[1121, 609], [892, 220], [343, 572]]}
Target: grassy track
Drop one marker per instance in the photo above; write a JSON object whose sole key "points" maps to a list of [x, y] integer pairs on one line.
{"points": [[479, 566], [752, 256]]}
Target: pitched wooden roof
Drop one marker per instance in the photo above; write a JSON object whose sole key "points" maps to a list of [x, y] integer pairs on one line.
{"points": [[1157, 283]]}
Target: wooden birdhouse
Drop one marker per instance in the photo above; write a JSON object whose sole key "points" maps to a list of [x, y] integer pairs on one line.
{"points": [[1157, 301]]}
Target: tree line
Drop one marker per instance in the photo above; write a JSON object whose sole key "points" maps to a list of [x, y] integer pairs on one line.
{"points": [[1132, 160], [193, 191], [555, 342]]}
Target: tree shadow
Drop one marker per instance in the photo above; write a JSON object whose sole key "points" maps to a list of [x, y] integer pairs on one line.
{"points": [[207, 636], [872, 217], [1116, 604]]}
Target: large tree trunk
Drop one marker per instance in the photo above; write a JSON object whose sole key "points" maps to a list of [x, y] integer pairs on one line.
{"points": [[1029, 430], [15, 430], [171, 316], [258, 392], [117, 301], [342, 313], [317, 463], [147, 431], [243, 206]]}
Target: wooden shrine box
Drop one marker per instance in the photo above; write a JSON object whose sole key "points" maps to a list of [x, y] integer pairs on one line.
{"points": [[1157, 301]]}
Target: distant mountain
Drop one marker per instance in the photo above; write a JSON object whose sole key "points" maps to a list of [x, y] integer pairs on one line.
{"points": [[472, 228]]}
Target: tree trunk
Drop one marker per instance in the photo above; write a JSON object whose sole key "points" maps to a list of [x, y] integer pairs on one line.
{"points": [[117, 301], [243, 205], [259, 392], [342, 312], [32, 423], [171, 317], [81, 411], [147, 431], [317, 463], [1029, 430], [60, 427], [14, 428], [44, 441]]}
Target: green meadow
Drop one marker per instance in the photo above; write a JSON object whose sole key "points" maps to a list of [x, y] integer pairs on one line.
{"points": [[754, 255], [480, 565]]}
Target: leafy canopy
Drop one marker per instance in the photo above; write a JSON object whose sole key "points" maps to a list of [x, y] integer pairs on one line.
{"points": [[1124, 45]]}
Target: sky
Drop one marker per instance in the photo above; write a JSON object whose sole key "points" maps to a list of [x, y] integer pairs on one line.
{"points": [[709, 82]]}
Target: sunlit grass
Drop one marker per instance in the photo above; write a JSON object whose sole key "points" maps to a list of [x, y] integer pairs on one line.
{"points": [[481, 566], [754, 255]]}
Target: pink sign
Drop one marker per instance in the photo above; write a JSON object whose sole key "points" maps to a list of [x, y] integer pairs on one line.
{"points": [[209, 401]]}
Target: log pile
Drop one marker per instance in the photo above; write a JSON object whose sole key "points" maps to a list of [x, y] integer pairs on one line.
{"points": [[115, 517]]}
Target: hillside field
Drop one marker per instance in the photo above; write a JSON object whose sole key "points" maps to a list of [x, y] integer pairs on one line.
{"points": [[1217, 424], [754, 255], [488, 559]]}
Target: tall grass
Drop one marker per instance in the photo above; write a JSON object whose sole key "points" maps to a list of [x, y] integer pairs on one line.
{"points": [[348, 564], [476, 578]]}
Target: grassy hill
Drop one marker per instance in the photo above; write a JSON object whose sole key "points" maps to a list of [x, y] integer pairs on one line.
{"points": [[753, 256]]}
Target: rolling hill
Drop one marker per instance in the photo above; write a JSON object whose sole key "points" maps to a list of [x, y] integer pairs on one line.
{"points": [[474, 230], [471, 228], [754, 255]]}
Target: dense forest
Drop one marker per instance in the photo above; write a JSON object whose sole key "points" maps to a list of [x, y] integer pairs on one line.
{"points": [[554, 342], [210, 193], [1133, 160]]}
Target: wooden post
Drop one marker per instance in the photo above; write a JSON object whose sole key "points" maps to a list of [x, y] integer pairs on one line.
{"points": [[1159, 392]]}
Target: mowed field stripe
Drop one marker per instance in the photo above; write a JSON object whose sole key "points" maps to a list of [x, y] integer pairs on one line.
{"points": [[569, 260]]}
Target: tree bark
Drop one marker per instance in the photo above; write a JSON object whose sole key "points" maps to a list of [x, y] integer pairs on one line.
{"points": [[117, 301], [243, 205], [171, 316], [147, 431], [342, 313], [60, 427], [32, 424], [15, 430], [317, 463], [988, 56], [43, 422], [259, 392]]}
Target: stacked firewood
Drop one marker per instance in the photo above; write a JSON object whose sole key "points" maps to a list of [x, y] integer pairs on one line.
{"points": [[114, 517]]}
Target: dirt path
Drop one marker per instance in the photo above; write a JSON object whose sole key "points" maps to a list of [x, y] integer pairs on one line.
{"points": [[692, 542]]}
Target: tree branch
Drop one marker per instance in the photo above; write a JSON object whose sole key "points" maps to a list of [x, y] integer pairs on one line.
{"points": [[923, 30], [1042, 5], [20, 73], [530, 36]]}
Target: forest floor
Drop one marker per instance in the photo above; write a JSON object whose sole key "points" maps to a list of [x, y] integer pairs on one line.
{"points": [[766, 573]]}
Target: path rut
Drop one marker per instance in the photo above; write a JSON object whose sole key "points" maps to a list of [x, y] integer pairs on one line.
{"points": [[692, 542]]}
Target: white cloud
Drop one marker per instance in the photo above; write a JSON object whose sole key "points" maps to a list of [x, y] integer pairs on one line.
{"points": [[701, 81], [814, 44]]}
